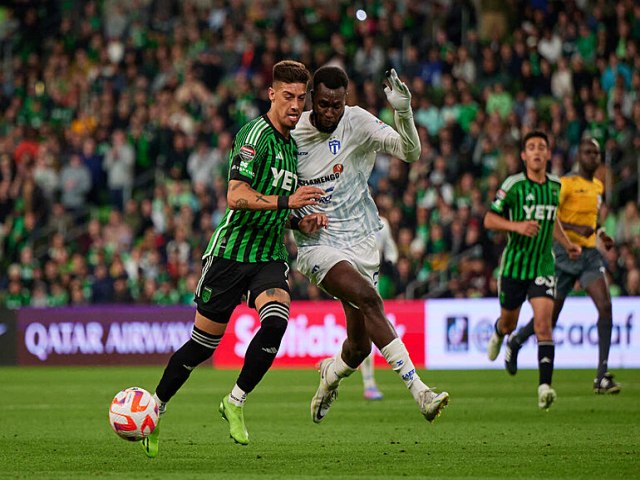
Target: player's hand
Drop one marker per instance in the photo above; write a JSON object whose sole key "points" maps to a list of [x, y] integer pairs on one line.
{"points": [[607, 241], [397, 92], [574, 251], [530, 228], [312, 223], [304, 196]]}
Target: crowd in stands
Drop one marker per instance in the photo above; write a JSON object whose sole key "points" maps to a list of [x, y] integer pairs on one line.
{"points": [[117, 118]]}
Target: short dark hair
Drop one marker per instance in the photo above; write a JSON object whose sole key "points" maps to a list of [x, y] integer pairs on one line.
{"points": [[290, 71], [535, 134], [331, 77]]}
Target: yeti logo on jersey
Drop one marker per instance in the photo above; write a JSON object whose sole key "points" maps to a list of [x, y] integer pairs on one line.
{"points": [[283, 179], [338, 168], [334, 146], [540, 212]]}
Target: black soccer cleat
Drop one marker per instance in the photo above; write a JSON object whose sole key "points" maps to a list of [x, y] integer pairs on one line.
{"points": [[511, 355], [605, 385]]}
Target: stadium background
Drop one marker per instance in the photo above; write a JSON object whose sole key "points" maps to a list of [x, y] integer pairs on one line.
{"points": [[117, 118]]}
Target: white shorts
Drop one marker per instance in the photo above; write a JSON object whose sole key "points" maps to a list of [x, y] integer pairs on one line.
{"points": [[315, 261]]}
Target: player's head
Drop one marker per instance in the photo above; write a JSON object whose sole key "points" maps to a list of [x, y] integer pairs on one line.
{"points": [[287, 94], [589, 158], [328, 97], [535, 151]]}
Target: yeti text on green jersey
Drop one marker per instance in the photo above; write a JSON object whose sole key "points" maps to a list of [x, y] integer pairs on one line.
{"points": [[266, 160], [520, 199]]}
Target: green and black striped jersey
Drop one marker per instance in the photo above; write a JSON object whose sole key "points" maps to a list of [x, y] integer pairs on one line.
{"points": [[267, 161], [520, 199]]}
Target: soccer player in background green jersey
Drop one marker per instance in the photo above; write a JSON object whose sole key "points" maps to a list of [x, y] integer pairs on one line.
{"points": [[526, 206], [246, 253]]}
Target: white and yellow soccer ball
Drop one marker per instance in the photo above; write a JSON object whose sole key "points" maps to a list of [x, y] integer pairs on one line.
{"points": [[133, 413]]}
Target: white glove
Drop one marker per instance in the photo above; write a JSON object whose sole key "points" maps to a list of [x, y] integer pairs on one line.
{"points": [[397, 92]]}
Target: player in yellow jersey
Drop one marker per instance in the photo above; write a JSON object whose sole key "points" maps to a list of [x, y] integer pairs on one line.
{"points": [[580, 199]]}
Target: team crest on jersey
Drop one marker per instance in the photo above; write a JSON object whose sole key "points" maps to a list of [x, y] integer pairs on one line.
{"points": [[338, 168], [247, 153], [334, 146]]}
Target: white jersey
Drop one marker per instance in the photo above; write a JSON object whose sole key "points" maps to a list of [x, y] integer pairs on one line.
{"points": [[340, 163]]}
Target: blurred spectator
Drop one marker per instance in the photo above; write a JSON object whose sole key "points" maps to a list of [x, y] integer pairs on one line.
{"points": [[119, 164]]}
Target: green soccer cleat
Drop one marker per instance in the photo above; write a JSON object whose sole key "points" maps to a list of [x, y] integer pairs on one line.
{"points": [[150, 443], [235, 416]]}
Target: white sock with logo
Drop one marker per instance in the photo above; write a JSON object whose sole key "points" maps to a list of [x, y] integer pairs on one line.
{"points": [[397, 356], [366, 369], [237, 396], [337, 371]]}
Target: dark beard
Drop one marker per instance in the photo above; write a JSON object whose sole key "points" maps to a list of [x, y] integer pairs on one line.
{"points": [[318, 127]]}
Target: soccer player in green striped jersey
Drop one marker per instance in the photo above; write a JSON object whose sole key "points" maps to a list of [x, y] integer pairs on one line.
{"points": [[525, 206], [246, 254]]}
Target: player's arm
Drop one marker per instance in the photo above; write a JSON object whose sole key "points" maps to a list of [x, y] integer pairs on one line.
{"points": [[560, 236], [240, 196], [493, 221], [406, 145], [308, 224]]}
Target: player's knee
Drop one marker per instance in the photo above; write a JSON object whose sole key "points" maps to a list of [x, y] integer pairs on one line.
{"points": [[604, 311], [368, 298]]}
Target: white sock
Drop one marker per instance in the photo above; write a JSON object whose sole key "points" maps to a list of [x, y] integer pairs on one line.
{"points": [[162, 406], [237, 396], [338, 370], [366, 368], [397, 356]]}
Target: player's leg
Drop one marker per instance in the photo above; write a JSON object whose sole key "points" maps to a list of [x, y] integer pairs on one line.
{"points": [[594, 282], [371, 390], [345, 282], [512, 294], [205, 336], [542, 303], [355, 349], [269, 294]]}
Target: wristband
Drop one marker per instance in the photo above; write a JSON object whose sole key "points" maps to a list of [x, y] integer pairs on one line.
{"points": [[283, 202], [294, 222]]}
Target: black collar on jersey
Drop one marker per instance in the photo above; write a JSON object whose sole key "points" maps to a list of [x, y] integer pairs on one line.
{"points": [[275, 130]]}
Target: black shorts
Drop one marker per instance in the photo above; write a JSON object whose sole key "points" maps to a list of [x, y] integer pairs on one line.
{"points": [[513, 292], [223, 283]]}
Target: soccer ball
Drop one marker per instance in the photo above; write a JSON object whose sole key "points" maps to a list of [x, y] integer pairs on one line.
{"points": [[133, 413]]}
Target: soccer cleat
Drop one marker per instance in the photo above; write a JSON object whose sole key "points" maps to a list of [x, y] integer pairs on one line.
{"points": [[546, 396], [511, 355], [493, 347], [606, 384], [373, 393], [150, 443], [325, 396], [432, 403], [235, 416]]}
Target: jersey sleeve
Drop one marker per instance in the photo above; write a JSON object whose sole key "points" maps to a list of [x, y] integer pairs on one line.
{"points": [[245, 158], [381, 136], [502, 200], [564, 190]]}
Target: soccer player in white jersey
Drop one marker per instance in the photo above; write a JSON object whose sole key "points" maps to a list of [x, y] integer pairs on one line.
{"points": [[337, 147]]}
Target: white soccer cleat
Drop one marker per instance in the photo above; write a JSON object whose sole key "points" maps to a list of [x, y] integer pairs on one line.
{"points": [[546, 396], [432, 403], [325, 396], [494, 345]]}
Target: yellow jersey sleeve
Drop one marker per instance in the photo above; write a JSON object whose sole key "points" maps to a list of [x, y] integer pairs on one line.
{"points": [[580, 201]]}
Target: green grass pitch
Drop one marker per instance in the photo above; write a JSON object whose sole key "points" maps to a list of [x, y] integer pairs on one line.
{"points": [[53, 424]]}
